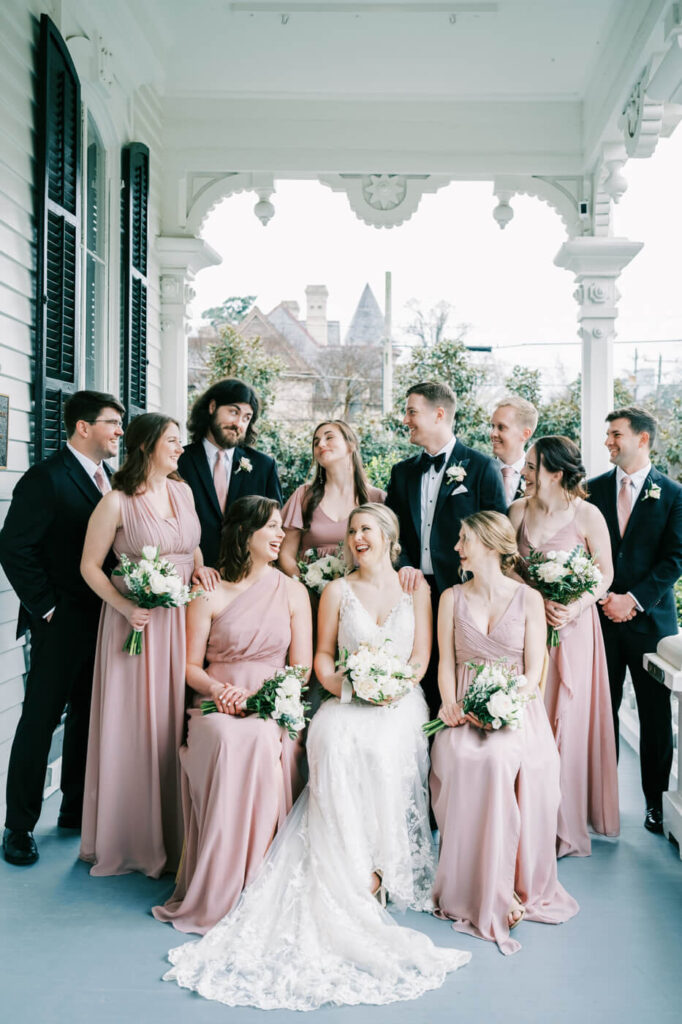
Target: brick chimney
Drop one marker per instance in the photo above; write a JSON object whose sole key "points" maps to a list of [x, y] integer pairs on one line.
{"points": [[316, 312]]}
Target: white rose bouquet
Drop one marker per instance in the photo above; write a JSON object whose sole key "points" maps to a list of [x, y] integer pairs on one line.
{"points": [[153, 582], [279, 698], [492, 697], [319, 570], [376, 674], [563, 576]]}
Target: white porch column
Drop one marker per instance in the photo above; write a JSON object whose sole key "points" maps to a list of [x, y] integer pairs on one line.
{"points": [[596, 263], [180, 260]]}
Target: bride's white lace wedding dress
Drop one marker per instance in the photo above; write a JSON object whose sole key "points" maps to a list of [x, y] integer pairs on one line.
{"points": [[307, 931]]}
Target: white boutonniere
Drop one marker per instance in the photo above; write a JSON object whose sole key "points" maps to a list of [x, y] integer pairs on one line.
{"points": [[654, 492], [244, 464], [455, 474]]}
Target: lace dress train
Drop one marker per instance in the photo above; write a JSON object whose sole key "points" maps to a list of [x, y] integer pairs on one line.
{"points": [[307, 931]]}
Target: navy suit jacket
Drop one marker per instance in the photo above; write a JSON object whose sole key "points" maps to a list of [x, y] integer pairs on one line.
{"points": [[647, 560], [41, 542], [481, 489], [194, 469]]}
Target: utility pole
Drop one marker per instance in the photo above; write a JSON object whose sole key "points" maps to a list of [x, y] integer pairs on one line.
{"points": [[387, 363]]}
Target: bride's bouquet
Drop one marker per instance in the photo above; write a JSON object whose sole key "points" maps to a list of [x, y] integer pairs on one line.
{"points": [[376, 673], [279, 698], [563, 576], [493, 697], [153, 582], [318, 570]]}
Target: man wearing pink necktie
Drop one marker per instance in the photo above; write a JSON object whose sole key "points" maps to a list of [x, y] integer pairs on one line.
{"points": [[643, 510], [512, 425], [41, 544]]}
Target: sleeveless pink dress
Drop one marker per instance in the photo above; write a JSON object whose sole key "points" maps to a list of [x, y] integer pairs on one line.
{"points": [[495, 798], [324, 533], [132, 817], [578, 703], [240, 776]]}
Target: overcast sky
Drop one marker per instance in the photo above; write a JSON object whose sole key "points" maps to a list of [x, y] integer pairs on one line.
{"points": [[502, 283]]}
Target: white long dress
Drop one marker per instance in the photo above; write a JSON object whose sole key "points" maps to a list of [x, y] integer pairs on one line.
{"points": [[307, 931]]}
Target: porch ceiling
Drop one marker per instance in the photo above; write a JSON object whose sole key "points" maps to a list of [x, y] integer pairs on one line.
{"points": [[529, 86]]}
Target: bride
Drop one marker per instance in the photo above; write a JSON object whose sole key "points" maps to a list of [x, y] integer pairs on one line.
{"points": [[310, 929]]}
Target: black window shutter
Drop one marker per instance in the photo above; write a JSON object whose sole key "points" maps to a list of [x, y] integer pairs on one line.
{"points": [[134, 239], [58, 224]]}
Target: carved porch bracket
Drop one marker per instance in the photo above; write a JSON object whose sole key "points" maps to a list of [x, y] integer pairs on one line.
{"points": [[569, 197], [384, 200]]}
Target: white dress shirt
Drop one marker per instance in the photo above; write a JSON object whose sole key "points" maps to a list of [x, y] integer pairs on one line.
{"points": [[637, 481], [88, 465], [213, 453], [430, 485]]}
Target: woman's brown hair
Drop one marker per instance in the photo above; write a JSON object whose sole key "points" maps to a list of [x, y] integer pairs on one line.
{"points": [[141, 437], [241, 521], [559, 454], [315, 491]]}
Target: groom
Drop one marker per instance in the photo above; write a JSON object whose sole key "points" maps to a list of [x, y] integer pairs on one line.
{"points": [[431, 493], [643, 510], [220, 465]]}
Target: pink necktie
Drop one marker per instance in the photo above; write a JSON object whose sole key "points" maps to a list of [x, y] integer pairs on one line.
{"points": [[624, 504], [508, 478], [220, 480], [100, 479]]}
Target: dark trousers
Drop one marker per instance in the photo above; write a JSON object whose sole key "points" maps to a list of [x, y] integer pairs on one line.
{"points": [[626, 649], [60, 676], [429, 682]]}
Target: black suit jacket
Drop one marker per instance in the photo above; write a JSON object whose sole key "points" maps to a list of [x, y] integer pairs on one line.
{"points": [[480, 489], [41, 542], [647, 560], [262, 479]]}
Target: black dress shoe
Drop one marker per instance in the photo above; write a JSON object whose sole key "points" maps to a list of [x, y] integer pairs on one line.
{"points": [[19, 847], [653, 820]]}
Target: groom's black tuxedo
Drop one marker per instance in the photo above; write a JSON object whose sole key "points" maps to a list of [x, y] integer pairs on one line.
{"points": [[479, 490], [261, 479], [647, 561], [41, 544]]}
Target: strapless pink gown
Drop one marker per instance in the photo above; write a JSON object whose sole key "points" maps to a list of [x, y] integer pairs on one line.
{"points": [[578, 703], [324, 533], [495, 798], [132, 816], [240, 776]]}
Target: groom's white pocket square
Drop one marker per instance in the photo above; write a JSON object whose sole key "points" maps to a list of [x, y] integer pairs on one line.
{"points": [[459, 490]]}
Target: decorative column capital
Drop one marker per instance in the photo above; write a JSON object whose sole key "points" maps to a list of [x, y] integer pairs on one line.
{"points": [[186, 253], [598, 257]]}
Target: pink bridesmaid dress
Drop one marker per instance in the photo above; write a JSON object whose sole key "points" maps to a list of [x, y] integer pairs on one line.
{"points": [[240, 776], [495, 797], [578, 703], [324, 533], [132, 815]]}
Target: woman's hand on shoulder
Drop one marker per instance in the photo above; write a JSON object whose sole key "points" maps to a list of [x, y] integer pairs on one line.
{"points": [[205, 578]]}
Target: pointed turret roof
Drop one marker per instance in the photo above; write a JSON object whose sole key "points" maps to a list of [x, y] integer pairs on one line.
{"points": [[367, 325]]}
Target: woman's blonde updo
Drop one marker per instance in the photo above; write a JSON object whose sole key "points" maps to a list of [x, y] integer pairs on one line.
{"points": [[496, 532], [386, 520]]}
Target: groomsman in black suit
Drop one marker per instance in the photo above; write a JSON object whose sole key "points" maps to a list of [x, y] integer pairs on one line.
{"points": [[40, 550], [512, 425], [431, 493], [220, 465], [643, 510]]}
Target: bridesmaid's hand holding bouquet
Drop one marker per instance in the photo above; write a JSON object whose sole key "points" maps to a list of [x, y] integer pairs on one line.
{"points": [[492, 700], [279, 698], [153, 582], [563, 577]]}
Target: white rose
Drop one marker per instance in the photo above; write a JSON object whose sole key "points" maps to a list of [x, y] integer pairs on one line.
{"points": [[146, 566], [520, 682], [149, 552], [174, 585], [314, 576], [562, 556], [289, 687], [158, 583], [551, 555], [500, 705]]}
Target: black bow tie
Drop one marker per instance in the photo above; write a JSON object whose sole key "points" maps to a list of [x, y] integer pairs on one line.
{"points": [[427, 461]]}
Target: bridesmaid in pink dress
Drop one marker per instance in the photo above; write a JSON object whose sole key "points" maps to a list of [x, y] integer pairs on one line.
{"points": [[554, 516], [316, 514], [495, 795], [240, 775], [132, 811]]}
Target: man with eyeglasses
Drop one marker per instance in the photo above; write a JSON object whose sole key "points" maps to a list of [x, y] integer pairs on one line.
{"points": [[41, 544]]}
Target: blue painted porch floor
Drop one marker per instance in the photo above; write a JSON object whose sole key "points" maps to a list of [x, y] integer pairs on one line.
{"points": [[76, 949]]}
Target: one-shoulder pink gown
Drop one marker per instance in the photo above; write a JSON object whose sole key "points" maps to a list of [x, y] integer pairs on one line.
{"points": [[495, 797], [132, 815], [240, 776], [578, 702]]}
